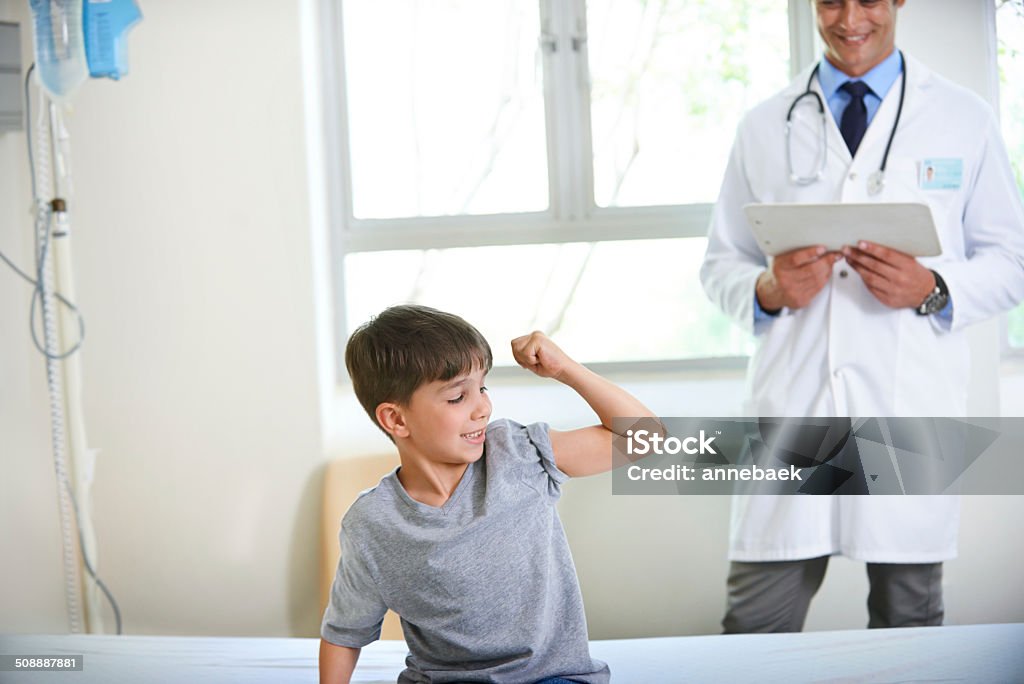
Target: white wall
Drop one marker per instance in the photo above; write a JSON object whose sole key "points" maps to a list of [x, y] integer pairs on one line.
{"points": [[201, 270]]}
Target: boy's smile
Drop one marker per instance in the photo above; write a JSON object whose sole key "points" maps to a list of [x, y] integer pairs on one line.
{"points": [[475, 437]]}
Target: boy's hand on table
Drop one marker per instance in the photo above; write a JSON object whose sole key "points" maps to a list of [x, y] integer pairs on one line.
{"points": [[537, 353]]}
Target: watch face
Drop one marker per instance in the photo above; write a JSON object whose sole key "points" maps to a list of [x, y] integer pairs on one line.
{"points": [[936, 300], [933, 303]]}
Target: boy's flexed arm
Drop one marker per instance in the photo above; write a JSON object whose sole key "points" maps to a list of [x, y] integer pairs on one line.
{"points": [[586, 451]]}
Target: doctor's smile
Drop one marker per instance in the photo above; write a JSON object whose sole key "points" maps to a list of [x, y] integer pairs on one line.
{"points": [[858, 35]]}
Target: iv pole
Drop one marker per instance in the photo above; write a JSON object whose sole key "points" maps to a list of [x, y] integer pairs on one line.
{"points": [[74, 39]]}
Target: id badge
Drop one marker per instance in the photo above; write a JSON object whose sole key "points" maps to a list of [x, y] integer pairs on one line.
{"points": [[941, 174]]}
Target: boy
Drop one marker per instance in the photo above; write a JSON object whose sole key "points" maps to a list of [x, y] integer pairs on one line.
{"points": [[463, 540]]}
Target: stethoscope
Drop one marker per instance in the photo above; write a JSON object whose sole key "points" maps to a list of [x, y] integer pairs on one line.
{"points": [[876, 181]]}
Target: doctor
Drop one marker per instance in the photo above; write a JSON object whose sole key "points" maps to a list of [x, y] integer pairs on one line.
{"points": [[868, 331]]}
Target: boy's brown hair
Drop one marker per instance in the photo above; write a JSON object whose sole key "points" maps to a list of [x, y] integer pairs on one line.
{"points": [[407, 346]]}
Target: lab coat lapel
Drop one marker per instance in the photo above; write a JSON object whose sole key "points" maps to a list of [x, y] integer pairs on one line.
{"points": [[836, 144], [921, 78]]}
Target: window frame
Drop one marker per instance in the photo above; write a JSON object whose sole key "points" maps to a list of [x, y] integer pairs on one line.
{"points": [[572, 214]]}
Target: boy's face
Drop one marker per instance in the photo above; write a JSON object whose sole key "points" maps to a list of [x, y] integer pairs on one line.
{"points": [[445, 420]]}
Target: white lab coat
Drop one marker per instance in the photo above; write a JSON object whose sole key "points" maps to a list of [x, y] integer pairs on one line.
{"points": [[847, 354]]}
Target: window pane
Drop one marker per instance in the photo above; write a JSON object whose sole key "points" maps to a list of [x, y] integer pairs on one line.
{"points": [[636, 300], [1010, 30], [445, 106], [670, 81]]}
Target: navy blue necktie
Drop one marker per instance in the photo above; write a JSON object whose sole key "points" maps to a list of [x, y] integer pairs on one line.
{"points": [[854, 122]]}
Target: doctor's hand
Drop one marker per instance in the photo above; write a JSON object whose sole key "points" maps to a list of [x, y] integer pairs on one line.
{"points": [[537, 353], [795, 278], [894, 278]]}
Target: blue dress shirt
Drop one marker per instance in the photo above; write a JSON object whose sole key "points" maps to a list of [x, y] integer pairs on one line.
{"points": [[880, 79]]}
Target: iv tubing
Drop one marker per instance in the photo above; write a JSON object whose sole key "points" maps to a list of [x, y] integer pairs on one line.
{"points": [[42, 187]]}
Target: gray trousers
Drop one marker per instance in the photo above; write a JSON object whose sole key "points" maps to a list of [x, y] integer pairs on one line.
{"points": [[774, 596]]}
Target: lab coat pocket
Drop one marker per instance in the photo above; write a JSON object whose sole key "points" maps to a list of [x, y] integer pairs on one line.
{"points": [[932, 367], [772, 366], [901, 181]]}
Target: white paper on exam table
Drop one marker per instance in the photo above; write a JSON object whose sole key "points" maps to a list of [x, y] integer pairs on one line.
{"points": [[907, 227]]}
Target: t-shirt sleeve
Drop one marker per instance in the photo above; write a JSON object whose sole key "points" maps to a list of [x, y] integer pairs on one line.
{"points": [[530, 446], [541, 440], [355, 610]]}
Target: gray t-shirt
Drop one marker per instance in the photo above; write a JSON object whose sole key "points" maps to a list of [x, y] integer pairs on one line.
{"points": [[485, 585]]}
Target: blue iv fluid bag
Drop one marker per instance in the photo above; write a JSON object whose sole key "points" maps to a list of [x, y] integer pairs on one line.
{"points": [[106, 26], [60, 49]]}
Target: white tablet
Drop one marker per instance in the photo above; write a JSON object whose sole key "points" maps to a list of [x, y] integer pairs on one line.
{"points": [[780, 228]]}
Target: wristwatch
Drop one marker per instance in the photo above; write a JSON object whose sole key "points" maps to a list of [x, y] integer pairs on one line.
{"points": [[936, 300]]}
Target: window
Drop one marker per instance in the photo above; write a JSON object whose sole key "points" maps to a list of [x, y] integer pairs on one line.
{"points": [[1010, 33], [549, 166], [445, 107]]}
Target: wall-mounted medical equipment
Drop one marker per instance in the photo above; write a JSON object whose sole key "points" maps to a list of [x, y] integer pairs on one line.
{"points": [[11, 111]]}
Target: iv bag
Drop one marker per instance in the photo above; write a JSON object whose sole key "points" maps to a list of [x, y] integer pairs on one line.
{"points": [[106, 22], [60, 50]]}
